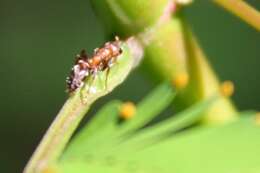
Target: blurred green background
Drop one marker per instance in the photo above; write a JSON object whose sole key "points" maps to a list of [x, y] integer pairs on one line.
{"points": [[38, 42]]}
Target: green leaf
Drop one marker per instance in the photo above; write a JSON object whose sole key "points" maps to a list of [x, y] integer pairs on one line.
{"points": [[175, 123], [103, 124], [149, 107], [233, 147]]}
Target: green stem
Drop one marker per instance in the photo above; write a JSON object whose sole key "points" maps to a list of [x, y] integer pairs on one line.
{"points": [[69, 117], [58, 134], [170, 53], [243, 10], [204, 83]]}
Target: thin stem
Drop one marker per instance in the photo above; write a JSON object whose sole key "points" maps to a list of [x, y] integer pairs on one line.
{"points": [[57, 135], [243, 10], [67, 120]]}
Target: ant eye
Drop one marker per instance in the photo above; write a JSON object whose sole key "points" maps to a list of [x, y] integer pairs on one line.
{"points": [[120, 51]]}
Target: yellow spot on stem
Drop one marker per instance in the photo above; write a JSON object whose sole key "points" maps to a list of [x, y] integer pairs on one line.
{"points": [[50, 170], [257, 118], [227, 88], [127, 110], [181, 80]]}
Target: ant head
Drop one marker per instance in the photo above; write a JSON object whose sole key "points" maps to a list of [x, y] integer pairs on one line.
{"points": [[83, 54]]}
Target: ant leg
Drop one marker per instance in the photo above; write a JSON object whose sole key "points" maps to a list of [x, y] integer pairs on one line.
{"points": [[82, 97], [114, 61], [94, 74], [110, 64], [107, 74], [83, 94]]}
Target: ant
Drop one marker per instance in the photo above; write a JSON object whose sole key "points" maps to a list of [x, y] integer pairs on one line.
{"points": [[102, 59]]}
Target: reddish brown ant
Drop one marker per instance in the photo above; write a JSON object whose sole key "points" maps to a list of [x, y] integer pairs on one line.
{"points": [[102, 59]]}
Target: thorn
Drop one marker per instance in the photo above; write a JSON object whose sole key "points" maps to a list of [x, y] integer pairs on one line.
{"points": [[227, 88], [127, 110]]}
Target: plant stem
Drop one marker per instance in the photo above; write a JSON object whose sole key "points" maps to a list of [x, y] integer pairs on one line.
{"points": [[243, 10], [169, 53], [204, 83], [67, 120], [58, 134]]}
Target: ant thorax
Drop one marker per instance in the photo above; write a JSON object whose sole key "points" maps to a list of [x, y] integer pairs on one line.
{"points": [[102, 59]]}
